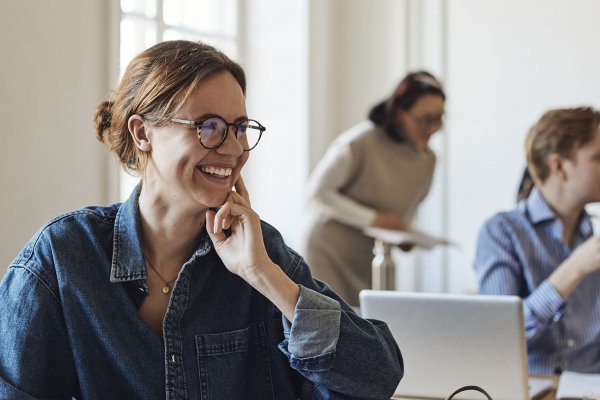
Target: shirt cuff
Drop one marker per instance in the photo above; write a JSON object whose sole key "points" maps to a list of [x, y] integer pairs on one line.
{"points": [[316, 327], [545, 303]]}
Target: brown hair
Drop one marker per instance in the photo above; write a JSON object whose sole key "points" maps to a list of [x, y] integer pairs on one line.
{"points": [[155, 85], [559, 131]]}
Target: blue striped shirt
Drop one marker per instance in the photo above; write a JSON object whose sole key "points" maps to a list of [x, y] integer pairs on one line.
{"points": [[516, 252]]}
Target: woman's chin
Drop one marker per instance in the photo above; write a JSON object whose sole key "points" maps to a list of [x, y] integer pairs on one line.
{"points": [[214, 202]]}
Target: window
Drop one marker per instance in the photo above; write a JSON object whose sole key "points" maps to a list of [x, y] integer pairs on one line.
{"points": [[147, 22]]}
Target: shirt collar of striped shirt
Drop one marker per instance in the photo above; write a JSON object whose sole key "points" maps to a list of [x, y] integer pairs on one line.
{"points": [[540, 211], [537, 207]]}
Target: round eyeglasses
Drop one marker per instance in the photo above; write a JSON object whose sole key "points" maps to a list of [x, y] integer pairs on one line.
{"points": [[212, 131]]}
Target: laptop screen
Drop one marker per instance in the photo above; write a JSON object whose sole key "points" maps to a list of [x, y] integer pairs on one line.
{"points": [[450, 340]]}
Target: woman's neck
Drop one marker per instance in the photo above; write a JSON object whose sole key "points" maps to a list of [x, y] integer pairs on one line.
{"points": [[170, 234]]}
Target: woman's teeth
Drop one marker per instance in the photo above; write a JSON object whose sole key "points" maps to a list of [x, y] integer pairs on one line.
{"points": [[220, 172]]}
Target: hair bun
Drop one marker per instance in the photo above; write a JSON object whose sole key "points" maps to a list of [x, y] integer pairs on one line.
{"points": [[103, 119]]}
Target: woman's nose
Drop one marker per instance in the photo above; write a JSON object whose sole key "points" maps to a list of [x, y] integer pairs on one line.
{"points": [[231, 145]]}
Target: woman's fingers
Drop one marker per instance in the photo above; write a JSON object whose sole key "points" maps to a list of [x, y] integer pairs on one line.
{"points": [[235, 206], [217, 236], [224, 211]]}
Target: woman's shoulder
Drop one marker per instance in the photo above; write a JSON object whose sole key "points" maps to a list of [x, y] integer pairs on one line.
{"points": [[361, 140], [272, 237], [71, 240], [281, 254], [364, 130], [104, 214], [83, 218], [68, 230]]}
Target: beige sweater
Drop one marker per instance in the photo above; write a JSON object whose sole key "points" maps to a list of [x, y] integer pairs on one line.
{"points": [[363, 172]]}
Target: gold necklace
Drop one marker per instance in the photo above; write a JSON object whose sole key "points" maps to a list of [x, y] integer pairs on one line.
{"points": [[167, 288]]}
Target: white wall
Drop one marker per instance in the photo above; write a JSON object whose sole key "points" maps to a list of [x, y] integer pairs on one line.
{"points": [[358, 54], [507, 62], [53, 73], [275, 50], [371, 55], [314, 69]]}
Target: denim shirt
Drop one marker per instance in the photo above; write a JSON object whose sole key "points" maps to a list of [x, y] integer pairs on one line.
{"points": [[70, 323]]}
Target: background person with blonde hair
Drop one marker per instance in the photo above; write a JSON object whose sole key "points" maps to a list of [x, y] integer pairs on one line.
{"points": [[545, 251]]}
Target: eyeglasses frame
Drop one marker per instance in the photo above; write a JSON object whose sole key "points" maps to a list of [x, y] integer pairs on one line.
{"points": [[198, 124]]}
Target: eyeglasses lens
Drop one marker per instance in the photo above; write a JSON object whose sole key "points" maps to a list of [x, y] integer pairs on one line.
{"points": [[212, 132], [248, 133]]}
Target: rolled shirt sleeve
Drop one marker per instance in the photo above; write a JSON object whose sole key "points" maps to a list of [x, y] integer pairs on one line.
{"points": [[316, 327], [543, 306]]}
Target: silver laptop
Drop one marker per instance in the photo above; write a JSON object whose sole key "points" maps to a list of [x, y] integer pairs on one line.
{"points": [[449, 340]]}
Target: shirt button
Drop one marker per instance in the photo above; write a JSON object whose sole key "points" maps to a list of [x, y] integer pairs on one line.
{"points": [[173, 358], [571, 343]]}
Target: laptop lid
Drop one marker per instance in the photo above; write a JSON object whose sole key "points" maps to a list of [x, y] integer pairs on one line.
{"points": [[449, 340]]}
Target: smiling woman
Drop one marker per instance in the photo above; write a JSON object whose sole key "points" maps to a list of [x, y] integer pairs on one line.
{"points": [[181, 291]]}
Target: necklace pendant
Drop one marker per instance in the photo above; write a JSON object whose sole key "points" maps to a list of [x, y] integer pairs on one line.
{"points": [[166, 289]]}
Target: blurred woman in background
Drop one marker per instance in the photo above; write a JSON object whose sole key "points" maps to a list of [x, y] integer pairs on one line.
{"points": [[373, 175]]}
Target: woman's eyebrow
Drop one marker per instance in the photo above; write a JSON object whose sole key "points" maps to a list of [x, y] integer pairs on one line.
{"points": [[211, 115], [205, 116]]}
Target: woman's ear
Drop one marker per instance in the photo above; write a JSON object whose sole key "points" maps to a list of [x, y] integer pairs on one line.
{"points": [[556, 165], [137, 129]]}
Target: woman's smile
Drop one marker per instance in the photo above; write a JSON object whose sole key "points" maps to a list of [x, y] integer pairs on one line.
{"points": [[216, 171]]}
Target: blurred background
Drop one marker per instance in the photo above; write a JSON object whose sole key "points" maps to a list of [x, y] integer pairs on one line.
{"points": [[315, 67]]}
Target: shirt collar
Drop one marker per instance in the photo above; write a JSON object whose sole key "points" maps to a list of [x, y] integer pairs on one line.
{"points": [[539, 211], [128, 259], [537, 207]]}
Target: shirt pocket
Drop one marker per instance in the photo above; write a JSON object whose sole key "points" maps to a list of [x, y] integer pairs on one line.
{"points": [[235, 365]]}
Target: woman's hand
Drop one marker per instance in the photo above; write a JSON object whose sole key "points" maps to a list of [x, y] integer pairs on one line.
{"points": [[244, 250], [386, 220]]}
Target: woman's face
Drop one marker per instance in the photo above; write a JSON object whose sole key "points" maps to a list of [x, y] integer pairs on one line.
{"points": [[422, 120], [183, 170], [583, 171]]}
